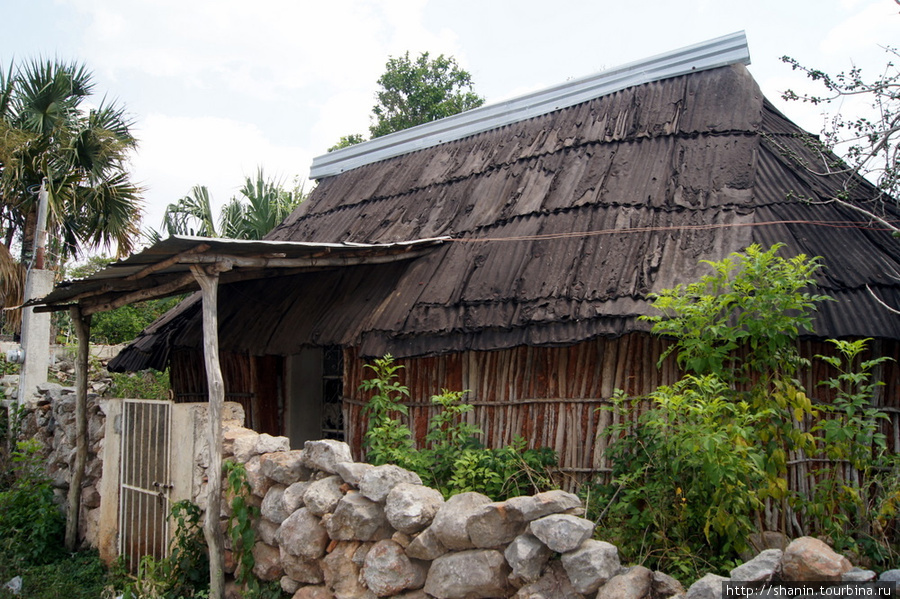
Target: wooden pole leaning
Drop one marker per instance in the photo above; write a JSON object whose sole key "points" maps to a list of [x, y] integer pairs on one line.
{"points": [[208, 279]]}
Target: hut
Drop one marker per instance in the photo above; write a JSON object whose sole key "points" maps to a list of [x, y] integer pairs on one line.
{"points": [[563, 210]]}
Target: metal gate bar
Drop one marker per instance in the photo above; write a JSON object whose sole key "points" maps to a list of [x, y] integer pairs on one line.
{"points": [[144, 480]]}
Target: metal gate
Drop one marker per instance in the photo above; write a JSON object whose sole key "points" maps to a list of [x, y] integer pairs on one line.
{"points": [[145, 481]]}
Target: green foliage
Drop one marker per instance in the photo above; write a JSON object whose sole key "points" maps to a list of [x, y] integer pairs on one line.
{"points": [[31, 526], [146, 384], [261, 206], [849, 433], [78, 575], [346, 141], [184, 574], [243, 536], [452, 460], [692, 473], [418, 91]]}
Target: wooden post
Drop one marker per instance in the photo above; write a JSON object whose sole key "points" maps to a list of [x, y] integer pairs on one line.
{"points": [[212, 529], [83, 333]]}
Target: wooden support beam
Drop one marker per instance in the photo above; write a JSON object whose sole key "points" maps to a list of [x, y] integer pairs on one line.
{"points": [[208, 279], [83, 333], [176, 259]]}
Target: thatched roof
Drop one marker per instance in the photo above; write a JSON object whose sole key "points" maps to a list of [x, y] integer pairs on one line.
{"points": [[561, 226]]}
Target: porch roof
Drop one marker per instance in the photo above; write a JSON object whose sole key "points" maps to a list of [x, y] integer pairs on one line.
{"points": [[164, 269]]}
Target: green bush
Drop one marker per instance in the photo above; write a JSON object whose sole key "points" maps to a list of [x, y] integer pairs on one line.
{"points": [[146, 384], [31, 524], [452, 459], [704, 458]]}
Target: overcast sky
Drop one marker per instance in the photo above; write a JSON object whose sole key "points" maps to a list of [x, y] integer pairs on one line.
{"points": [[220, 87]]}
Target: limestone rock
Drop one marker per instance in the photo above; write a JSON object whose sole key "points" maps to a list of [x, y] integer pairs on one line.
{"points": [[411, 507], [807, 558], [266, 531], [664, 585], [532, 507], [426, 546], [269, 444], [313, 592], [323, 495], [527, 557], [284, 467], [289, 585], [858, 575], [708, 587], [635, 583], [388, 571], [325, 454], [474, 574], [554, 584], [351, 472], [377, 482], [303, 570], [268, 562], [493, 525], [341, 568], [591, 565], [358, 518], [293, 496], [449, 523], [302, 534], [240, 443], [761, 568], [273, 505], [561, 532], [259, 483]]}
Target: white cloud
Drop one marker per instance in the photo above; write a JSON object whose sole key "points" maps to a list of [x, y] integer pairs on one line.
{"points": [[177, 153], [858, 36]]}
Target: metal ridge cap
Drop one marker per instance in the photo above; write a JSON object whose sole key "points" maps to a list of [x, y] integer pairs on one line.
{"points": [[718, 52]]}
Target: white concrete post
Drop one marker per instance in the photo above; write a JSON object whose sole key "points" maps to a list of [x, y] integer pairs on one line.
{"points": [[35, 337]]}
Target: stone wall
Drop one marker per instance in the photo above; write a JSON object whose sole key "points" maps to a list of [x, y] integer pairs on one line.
{"points": [[332, 528], [51, 421]]}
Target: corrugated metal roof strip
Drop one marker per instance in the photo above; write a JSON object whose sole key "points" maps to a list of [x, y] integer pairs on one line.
{"points": [[719, 52]]}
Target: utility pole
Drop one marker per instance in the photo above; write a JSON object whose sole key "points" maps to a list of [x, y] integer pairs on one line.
{"points": [[36, 326]]}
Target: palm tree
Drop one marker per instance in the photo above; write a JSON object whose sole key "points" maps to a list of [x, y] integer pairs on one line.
{"points": [[47, 134], [263, 203]]}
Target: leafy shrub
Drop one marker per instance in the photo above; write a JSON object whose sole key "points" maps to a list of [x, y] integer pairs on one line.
{"points": [[31, 526], [146, 384], [78, 575], [452, 459], [694, 474]]}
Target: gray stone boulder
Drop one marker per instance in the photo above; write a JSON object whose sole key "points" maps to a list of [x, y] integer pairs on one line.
{"points": [[302, 534], [267, 562], [289, 585], [266, 531], [284, 467], [493, 525], [388, 571], [325, 454], [426, 546], [341, 569], [591, 565], [858, 575], [272, 508], [358, 518], [761, 568], [259, 482], [268, 444], [450, 522], [532, 507], [809, 559], [561, 532], [303, 570], [554, 584], [322, 496], [293, 496], [351, 472], [634, 583], [708, 587], [474, 574], [527, 557], [377, 482], [313, 592], [412, 507], [240, 443], [664, 585]]}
